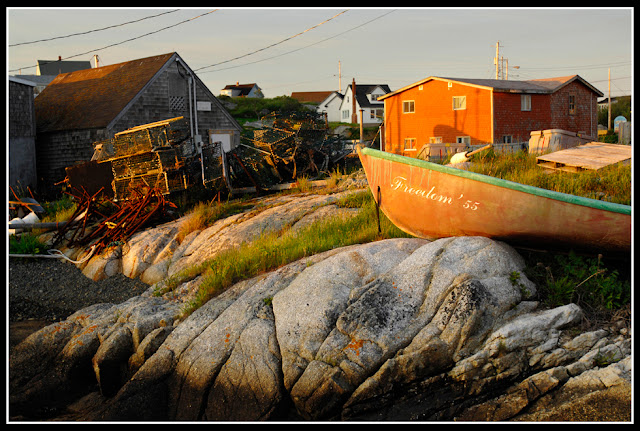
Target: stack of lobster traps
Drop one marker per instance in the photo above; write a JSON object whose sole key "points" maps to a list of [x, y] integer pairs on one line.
{"points": [[286, 148], [147, 157]]}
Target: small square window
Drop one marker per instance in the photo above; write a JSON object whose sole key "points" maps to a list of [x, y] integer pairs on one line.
{"points": [[408, 107], [410, 144], [459, 102]]}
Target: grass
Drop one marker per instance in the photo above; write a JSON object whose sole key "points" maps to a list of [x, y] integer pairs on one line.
{"points": [[27, 243], [561, 279], [204, 214], [602, 289], [612, 183], [276, 249], [30, 242]]}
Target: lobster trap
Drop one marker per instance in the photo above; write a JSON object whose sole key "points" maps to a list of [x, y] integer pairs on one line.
{"points": [[287, 148], [148, 156]]}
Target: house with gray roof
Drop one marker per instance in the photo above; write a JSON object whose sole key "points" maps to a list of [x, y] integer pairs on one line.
{"points": [[365, 100], [479, 111]]}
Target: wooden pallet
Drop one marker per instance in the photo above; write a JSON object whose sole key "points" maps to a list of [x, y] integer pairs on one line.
{"points": [[591, 156]]}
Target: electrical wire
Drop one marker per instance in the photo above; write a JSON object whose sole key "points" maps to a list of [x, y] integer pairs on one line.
{"points": [[92, 31], [301, 48], [273, 44], [124, 41], [588, 66]]}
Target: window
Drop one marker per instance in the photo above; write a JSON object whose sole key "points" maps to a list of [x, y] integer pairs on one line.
{"points": [[176, 104], [463, 140], [377, 113], [525, 102], [410, 144], [346, 114], [408, 107], [507, 139], [459, 102], [435, 140], [572, 104]]}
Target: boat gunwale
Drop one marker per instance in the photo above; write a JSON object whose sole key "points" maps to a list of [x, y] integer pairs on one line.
{"points": [[559, 196]]}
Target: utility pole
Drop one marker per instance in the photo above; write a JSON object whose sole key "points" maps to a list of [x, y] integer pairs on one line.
{"points": [[496, 60], [354, 114], [339, 77], [500, 64], [609, 97]]}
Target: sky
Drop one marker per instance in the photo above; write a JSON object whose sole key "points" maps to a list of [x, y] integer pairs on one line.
{"points": [[286, 50]]}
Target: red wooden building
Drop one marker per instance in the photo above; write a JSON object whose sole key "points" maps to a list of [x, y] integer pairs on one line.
{"points": [[479, 111]]}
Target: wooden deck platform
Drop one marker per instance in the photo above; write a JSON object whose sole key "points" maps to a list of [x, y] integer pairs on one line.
{"points": [[591, 156]]}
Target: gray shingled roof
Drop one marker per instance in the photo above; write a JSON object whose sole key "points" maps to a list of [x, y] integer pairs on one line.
{"points": [[543, 86]]}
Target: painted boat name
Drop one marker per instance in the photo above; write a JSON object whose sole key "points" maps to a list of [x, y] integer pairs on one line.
{"points": [[399, 183]]}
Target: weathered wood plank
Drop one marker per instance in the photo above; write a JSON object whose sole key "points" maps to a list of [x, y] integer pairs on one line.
{"points": [[591, 156]]}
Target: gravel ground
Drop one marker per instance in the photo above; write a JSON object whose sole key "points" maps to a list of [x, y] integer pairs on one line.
{"points": [[45, 290]]}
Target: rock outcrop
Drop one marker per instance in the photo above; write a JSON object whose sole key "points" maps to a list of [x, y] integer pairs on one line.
{"points": [[155, 254], [402, 329]]}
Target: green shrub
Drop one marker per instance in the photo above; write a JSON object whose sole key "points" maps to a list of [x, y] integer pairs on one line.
{"points": [[582, 280], [26, 244]]}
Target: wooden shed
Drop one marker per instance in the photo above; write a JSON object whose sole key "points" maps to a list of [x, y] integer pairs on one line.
{"points": [[87, 106]]}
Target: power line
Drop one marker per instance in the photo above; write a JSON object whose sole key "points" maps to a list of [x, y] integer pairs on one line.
{"points": [[272, 45], [588, 66], [92, 31], [612, 79], [304, 47], [124, 41]]}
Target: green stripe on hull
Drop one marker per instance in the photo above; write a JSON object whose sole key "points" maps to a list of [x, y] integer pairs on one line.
{"points": [[564, 197]]}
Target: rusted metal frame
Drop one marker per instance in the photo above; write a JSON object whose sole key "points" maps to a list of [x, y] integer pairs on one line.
{"points": [[131, 224], [88, 214], [71, 222], [103, 226], [140, 222], [88, 199]]}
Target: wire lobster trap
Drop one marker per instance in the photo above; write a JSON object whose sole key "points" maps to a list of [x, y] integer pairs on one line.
{"points": [[147, 156], [285, 148]]}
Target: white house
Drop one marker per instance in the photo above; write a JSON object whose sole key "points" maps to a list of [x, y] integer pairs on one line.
{"points": [[331, 106], [242, 90], [366, 99]]}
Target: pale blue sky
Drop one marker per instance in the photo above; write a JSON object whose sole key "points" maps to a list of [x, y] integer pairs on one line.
{"points": [[375, 46]]}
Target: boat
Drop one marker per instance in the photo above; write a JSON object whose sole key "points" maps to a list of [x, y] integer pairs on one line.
{"points": [[431, 201]]}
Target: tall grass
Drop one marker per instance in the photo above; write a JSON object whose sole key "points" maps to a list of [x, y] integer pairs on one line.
{"points": [[612, 183], [276, 249], [204, 214]]}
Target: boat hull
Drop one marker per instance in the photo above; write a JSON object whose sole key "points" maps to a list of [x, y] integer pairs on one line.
{"points": [[434, 201]]}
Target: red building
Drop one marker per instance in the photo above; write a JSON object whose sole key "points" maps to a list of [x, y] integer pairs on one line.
{"points": [[480, 111]]}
